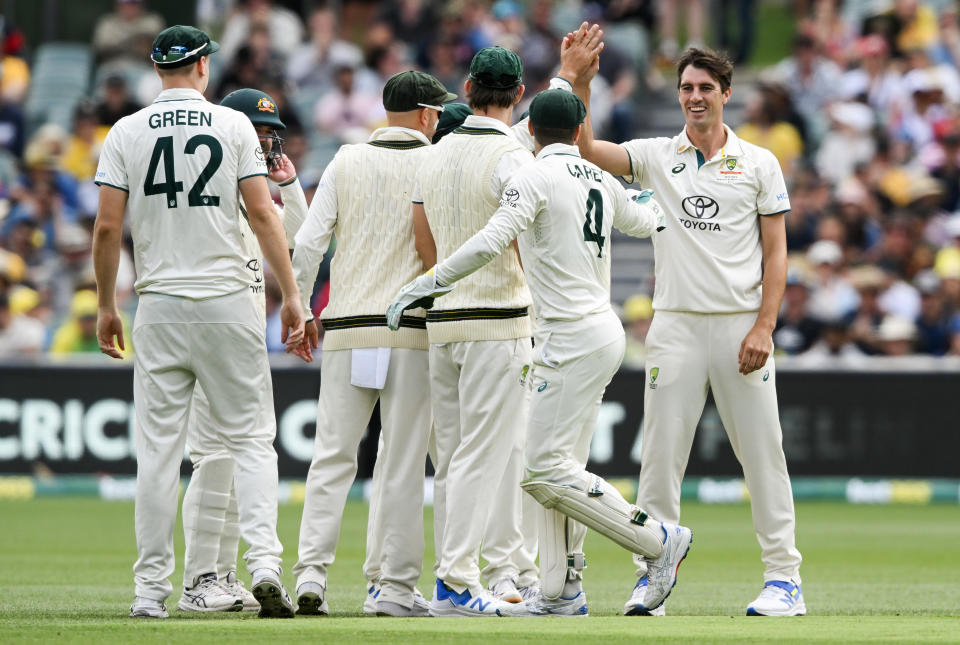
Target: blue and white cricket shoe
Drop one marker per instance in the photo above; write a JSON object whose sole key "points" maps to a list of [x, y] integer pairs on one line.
{"points": [[651, 590], [370, 602], [447, 603], [634, 606], [538, 607], [778, 598]]}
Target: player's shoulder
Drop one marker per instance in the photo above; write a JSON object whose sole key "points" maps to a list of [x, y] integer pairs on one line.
{"points": [[650, 144], [757, 154]]}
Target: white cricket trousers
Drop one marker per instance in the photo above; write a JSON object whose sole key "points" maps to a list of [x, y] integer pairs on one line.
{"points": [[688, 353], [217, 343], [567, 390], [480, 403], [343, 413]]}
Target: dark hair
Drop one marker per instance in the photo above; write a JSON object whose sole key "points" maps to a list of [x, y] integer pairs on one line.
{"points": [[480, 97], [717, 64], [545, 136]]}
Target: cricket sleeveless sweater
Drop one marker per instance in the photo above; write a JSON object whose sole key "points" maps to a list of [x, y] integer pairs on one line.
{"points": [[375, 253], [493, 303]]}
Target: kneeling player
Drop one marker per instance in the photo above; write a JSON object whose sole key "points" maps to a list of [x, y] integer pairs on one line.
{"points": [[556, 206]]}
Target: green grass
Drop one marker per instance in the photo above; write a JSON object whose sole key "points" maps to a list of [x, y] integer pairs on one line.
{"points": [[881, 573]]}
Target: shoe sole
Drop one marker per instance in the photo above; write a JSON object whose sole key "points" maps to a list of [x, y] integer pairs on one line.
{"points": [[640, 610], [146, 615], [797, 611], [454, 612], [310, 604], [189, 606], [270, 597]]}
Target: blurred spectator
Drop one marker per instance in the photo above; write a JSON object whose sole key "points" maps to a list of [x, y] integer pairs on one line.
{"points": [[116, 102], [309, 65], [45, 209], [868, 280], [796, 329], [347, 112], [735, 24], [763, 128], [12, 127], [78, 334], [832, 297], [933, 323], [20, 335], [412, 21], [693, 11], [42, 159], [637, 314], [14, 71], [83, 149], [284, 30], [875, 82], [847, 143], [255, 63], [834, 348], [127, 33], [813, 80]]}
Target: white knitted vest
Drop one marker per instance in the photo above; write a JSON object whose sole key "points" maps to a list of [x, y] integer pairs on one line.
{"points": [[375, 253], [492, 303]]}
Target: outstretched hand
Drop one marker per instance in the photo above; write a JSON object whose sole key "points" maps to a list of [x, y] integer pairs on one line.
{"points": [[580, 54]]}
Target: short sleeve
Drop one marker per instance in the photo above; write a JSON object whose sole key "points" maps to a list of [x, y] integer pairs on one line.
{"points": [[111, 170], [417, 197], [636, 151], [772, 198], [251, 159]]}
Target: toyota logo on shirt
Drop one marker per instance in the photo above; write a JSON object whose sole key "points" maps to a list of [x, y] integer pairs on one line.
{"points": [[700, 207]]}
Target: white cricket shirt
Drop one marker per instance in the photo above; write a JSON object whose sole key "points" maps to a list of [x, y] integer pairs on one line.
{"points": [[563, 208], [710, 258], [180, 159]]}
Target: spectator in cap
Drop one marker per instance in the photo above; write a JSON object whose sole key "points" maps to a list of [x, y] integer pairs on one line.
{"points": [[869, 281], [834, 348], [20, 336], [831, 297], [348, 112], [83, 147], [78, 334], [813, 81], [126, 34], [796, 329], [933, 323], [896, 336]]}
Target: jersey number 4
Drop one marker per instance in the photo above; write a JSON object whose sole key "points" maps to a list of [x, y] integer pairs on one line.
{"points": [[594, 208], [163, 150]]}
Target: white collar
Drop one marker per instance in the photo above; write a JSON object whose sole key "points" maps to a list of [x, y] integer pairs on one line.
{"points": [[488, 122], [390, 132]]}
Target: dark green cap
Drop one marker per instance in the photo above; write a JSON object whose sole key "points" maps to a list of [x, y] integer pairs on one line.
{"points": [[496, 68], [412, 90], [557, 109], [258, 106], [453, 116], [181, 45]]}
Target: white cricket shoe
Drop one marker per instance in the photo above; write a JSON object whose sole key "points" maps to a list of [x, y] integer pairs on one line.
{"points": [[312, 599], [209, 595], [448, 603], [778, 598], [539, 606], [236, 587], [530, 591], [634, 606], [662, 572], [370, 602], [148, 608], [506, 590], [269, 592], [421, 606]]}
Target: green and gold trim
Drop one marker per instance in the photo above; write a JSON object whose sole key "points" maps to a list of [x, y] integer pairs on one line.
{"points": [[479, 313], [398, 145], [353, 322], [465, 129]]}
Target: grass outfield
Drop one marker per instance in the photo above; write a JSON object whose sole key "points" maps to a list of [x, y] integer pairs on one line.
{"points": [[871, 573]]}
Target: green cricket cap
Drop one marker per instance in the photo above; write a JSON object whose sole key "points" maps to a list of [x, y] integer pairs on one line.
{"points": [[412, 90], [181, 45], [557, 109], [496, 68], [453, 116]]}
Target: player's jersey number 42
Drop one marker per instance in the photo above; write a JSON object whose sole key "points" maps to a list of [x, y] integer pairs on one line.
{"points": [[163, 152]]}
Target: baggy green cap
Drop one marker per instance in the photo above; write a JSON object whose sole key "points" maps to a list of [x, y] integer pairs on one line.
{"points": [[557, 109], [259, 107], [454, 114], [496, 68], [412, 90], [181, 45]]}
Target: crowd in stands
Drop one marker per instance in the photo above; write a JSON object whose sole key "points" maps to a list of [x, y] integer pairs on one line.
{"points": [[863, 115]]}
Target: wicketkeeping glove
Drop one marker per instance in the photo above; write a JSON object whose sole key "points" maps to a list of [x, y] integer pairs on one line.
{"points": [[645, 196], [416, 293]]}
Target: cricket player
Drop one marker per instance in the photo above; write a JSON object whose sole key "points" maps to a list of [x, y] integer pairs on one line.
{"points": [[720, 271], [480, 340], [563, 209], [363, 197], [210, 525], [181, 165]]}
